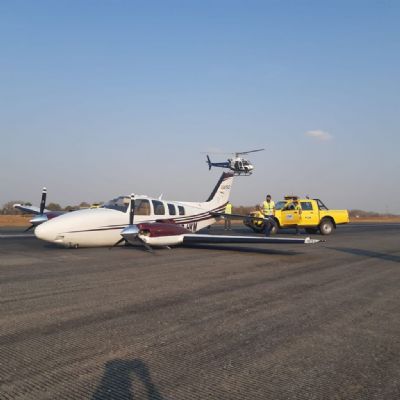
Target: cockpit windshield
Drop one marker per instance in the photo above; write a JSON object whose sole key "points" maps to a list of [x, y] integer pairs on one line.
{"points": [[120, 203]]}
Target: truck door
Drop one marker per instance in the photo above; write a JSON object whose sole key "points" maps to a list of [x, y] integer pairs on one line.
{"points": [[309, 213], [290, 216]]}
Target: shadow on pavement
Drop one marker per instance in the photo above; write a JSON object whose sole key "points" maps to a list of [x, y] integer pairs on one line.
{"points": [[118, 382], [368, 253], [255, 250]]}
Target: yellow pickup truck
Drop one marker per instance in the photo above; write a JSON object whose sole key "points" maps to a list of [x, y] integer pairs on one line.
{"points": [[313, 216]]}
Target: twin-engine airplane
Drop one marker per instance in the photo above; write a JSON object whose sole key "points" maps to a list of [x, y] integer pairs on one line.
{"points": [[151, 222]]}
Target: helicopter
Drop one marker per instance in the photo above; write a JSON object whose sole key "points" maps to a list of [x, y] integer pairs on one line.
{"points": [[237, 164]]}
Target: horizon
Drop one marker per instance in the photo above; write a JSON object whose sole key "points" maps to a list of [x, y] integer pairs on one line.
{"points": [[107, 98]]}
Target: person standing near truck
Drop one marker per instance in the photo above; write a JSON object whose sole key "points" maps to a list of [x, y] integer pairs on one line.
{"points": [[297, 208], [268, 206]]}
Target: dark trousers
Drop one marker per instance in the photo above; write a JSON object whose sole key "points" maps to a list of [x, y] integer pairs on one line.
{"points": [[268, 227], [227, 223]]}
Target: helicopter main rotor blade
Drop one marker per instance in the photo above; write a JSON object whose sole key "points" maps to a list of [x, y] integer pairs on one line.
{"points": [[247, 152]]}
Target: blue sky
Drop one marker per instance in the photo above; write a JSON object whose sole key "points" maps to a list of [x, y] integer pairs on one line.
{"points": [[99, 98]]}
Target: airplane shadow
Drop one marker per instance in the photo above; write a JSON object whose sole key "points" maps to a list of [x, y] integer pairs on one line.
{"points": [[117, 381], [241, 249], [368, 253]]}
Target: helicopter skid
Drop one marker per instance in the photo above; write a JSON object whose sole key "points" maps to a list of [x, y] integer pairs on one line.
{"points": [[242, 173]]}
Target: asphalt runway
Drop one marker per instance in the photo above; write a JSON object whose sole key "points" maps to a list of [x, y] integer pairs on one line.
{"points": [[206, 322]]}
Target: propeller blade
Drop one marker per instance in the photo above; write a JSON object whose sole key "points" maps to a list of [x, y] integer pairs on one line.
{"points": [[132, 210], [43, 200], [146, 246], [29, 228], [117, 243]]}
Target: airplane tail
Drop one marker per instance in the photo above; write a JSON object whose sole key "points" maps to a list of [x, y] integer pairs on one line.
{"points": [[209, 162], [220, 195]]}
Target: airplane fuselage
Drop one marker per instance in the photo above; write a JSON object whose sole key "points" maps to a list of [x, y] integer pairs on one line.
{"points": [[103, 226]]}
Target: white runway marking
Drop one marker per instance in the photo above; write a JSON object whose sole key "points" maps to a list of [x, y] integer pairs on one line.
{"points": [[16, 235]]}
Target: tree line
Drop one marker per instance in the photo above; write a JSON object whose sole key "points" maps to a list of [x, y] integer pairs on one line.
{"points": [[8, 208]]}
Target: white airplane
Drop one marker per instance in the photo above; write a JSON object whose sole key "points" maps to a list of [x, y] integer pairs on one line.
{"points": [[152, 222]]}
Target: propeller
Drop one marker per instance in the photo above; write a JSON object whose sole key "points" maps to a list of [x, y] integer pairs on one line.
{"points": [[40, 218], [131, 232], [43, 200]]}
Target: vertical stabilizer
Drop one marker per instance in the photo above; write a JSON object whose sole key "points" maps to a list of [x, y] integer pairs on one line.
{"points": [[220, 195]]}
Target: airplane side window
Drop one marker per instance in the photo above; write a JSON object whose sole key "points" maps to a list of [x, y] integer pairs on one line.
{"points": [[181, 210], [159, 208], [306, 206], [171, 209], [142, 207]]}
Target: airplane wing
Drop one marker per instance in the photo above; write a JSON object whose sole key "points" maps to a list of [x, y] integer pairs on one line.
{"points": [[28, 209], [204, 238]]}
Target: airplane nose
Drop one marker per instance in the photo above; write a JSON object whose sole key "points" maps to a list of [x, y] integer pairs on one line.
{"points": [[45, 232]]}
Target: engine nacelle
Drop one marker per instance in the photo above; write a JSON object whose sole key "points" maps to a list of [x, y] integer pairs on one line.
{"points": [[162, 233]]}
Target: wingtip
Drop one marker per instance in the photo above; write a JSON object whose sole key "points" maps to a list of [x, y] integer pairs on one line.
{"points": [[308, 240]]}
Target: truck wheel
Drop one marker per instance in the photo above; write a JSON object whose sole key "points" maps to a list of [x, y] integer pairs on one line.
{"points": [[326, 226], [311, 230]]}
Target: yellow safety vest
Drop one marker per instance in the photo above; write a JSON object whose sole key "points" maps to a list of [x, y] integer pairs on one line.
{"points": [[228, 208], [268, 208]]}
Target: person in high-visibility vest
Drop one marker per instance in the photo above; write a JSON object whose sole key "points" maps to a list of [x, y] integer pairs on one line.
{"points": [[228, 210], [297, 207], [268, 206]]}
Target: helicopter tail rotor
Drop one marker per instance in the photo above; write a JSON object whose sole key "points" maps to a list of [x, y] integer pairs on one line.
{"points": [[209, 162]]}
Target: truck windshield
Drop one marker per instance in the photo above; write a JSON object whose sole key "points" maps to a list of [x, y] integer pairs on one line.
{"points": [[321, 205]]}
